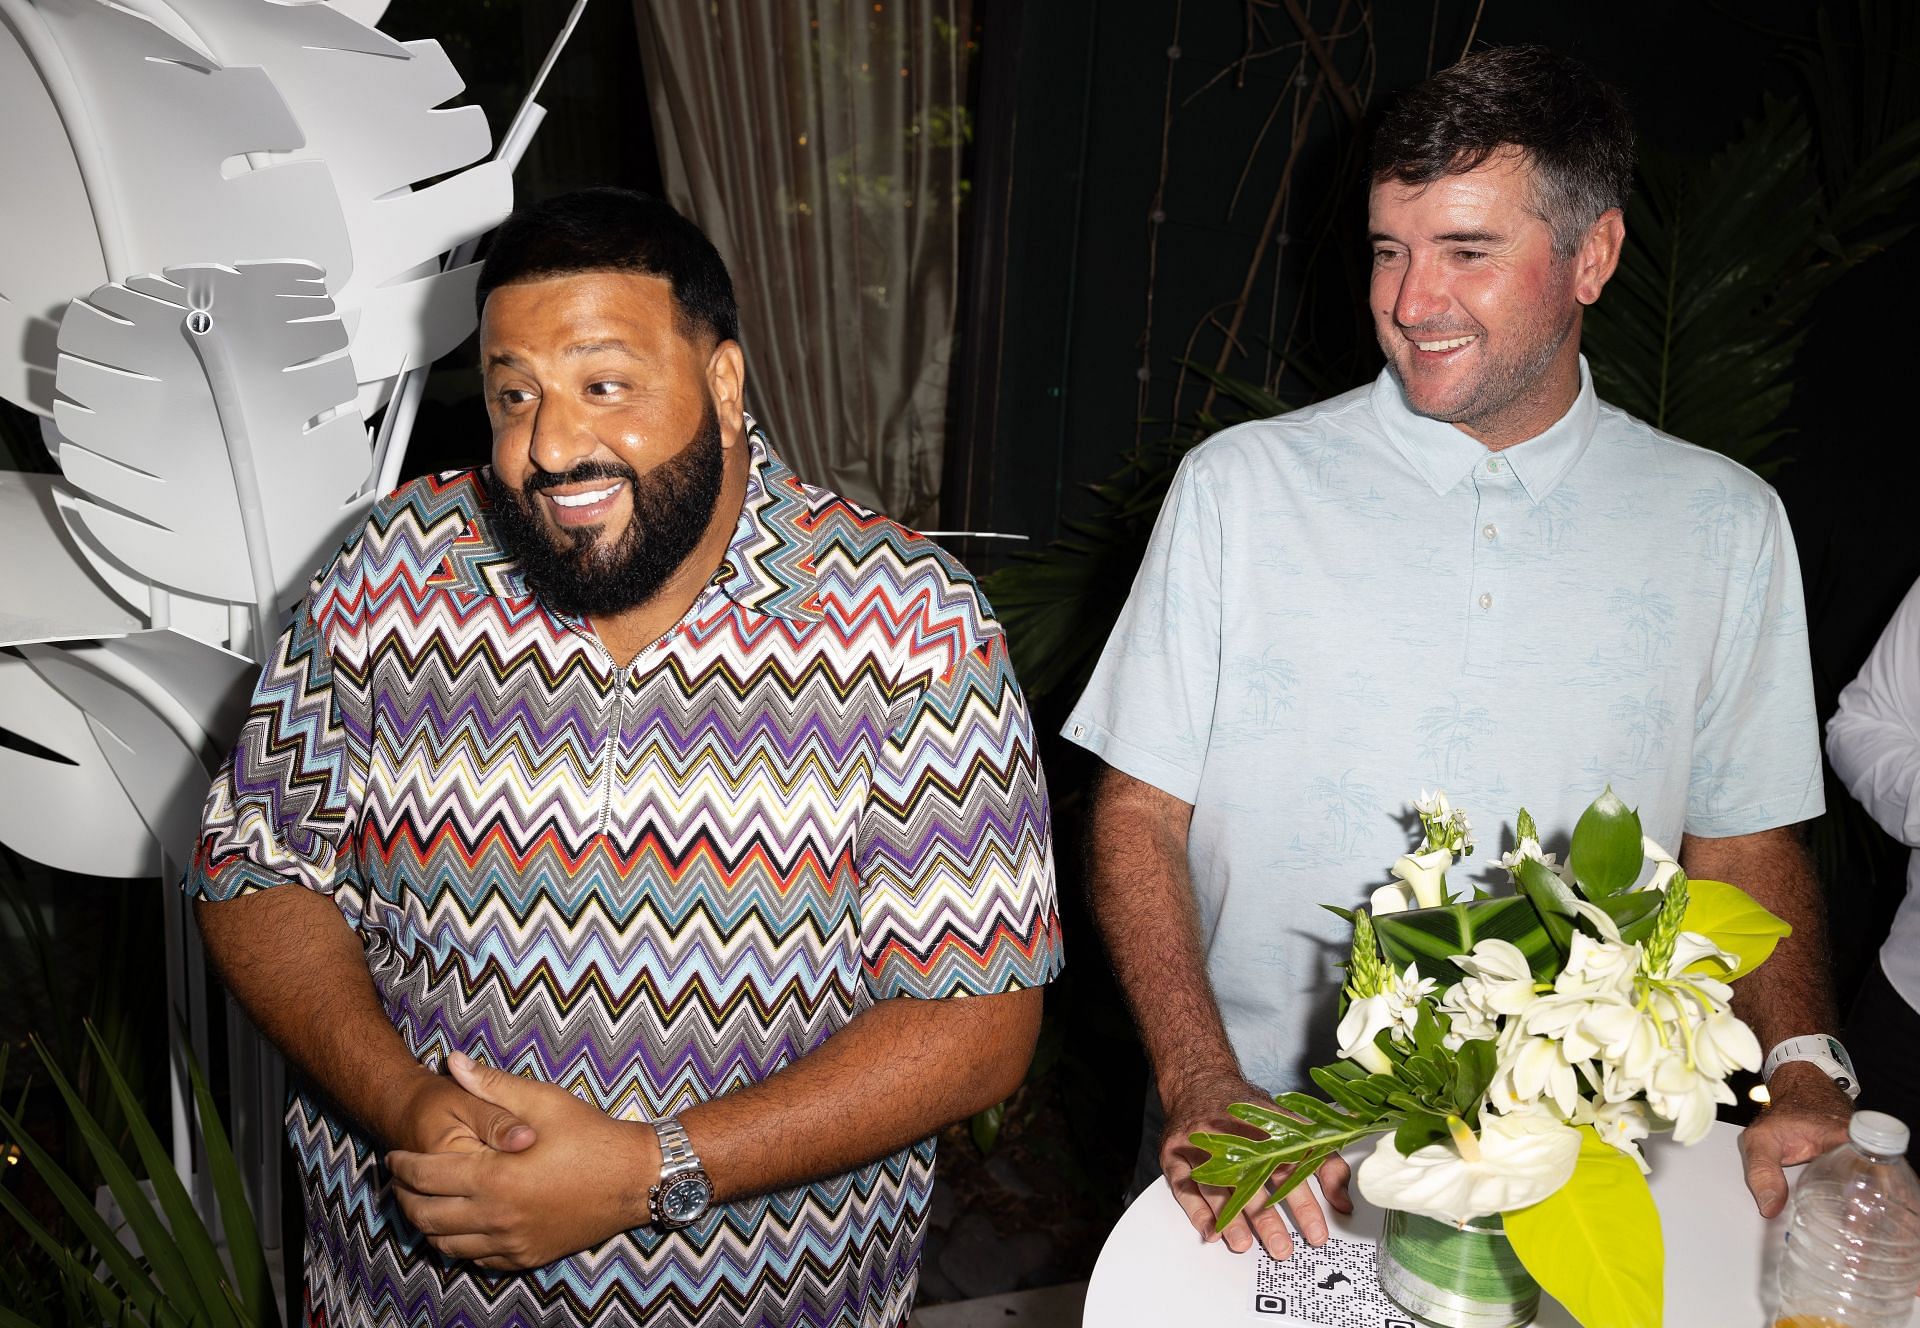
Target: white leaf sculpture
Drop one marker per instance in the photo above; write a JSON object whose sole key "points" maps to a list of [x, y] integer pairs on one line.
{"points": [[55, 600], [180, 161], [210, 428], [66, 809], [379, 139]]}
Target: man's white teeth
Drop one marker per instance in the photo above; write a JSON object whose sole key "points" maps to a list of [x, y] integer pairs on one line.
{"points": [[587, 499], [1450, 343]]}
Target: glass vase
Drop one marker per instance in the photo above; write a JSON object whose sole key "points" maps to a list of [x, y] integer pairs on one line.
{"points": [[1455, 1277]]}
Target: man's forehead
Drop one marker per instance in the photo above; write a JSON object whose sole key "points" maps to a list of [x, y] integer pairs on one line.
{"points": [[568, 311], [1503, 182]]}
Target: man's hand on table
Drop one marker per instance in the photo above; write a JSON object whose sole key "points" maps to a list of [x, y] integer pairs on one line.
{"points": [[1202, 1107], [583, 1179], [1807, 1116]]}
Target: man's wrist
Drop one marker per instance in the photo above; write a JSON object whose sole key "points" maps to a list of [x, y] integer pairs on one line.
{"points": [[1796, 1082]]}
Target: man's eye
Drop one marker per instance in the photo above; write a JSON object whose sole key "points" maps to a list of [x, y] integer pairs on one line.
{"points": [[1383, 256], [513, 396], [1469, 255], [604, 389]]}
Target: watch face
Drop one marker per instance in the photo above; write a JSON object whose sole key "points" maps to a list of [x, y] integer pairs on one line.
{"points": [[683, 1199]]}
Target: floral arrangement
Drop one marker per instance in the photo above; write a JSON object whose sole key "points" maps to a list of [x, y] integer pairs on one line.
{"points": [[1512, 1051]]}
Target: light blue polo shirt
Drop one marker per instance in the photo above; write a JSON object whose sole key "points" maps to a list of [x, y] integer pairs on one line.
{"points": [[1349, 603]]}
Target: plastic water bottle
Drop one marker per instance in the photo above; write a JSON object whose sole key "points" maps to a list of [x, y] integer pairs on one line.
{"points": [[1853, 1234]]}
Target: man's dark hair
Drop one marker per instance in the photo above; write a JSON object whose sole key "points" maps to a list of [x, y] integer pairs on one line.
{"points": [[616, 230], [1573, 129]]}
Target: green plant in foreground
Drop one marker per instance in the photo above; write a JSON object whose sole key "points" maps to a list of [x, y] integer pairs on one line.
{"points": [[179, 1277]]}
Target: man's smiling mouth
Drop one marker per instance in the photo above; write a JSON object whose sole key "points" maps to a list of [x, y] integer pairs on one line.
{"points": [[587, 499], [1449, 343]]}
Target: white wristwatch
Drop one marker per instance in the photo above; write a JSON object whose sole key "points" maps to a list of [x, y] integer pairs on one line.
{"points": [[685, 1190], [1824, 1052]]}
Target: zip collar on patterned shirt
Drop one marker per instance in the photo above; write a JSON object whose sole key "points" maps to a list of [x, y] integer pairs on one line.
{"points": [[768, 568]]}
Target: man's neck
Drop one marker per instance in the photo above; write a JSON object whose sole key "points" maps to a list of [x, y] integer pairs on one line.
{"points": [[1530, 416]]}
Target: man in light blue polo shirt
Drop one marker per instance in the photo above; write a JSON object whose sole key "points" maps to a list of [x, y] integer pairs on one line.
{"points": [[1471, 575]]}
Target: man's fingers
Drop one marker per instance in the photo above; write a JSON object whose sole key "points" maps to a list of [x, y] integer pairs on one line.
{"points": [[443, 1174], [433, 1215], [1307, 1216], [503, 1130], [481, 1249], [1334, 1174], [1766, 1177], [1271, 1228]]}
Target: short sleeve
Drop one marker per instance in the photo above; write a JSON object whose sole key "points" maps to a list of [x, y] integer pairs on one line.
{"points": [[955, 846], [1756, 757], [1873, 738], [281, 809], [1148, 709]]}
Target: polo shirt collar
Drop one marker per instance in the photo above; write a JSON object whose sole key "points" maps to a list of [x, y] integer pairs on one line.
{"points": [[769, 565], [1444, 455]]}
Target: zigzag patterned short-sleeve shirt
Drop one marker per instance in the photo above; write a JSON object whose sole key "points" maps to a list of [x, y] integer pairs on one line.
{"points": [[650, 885]]}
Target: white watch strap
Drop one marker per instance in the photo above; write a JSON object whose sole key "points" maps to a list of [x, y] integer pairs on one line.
{"points": [[1823, 1051]]}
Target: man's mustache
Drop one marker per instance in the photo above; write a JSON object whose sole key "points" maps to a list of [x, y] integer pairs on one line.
{"points": [[584, 473]]}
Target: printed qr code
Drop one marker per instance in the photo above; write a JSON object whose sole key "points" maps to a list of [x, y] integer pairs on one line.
{"points": [[1334, 1286]]}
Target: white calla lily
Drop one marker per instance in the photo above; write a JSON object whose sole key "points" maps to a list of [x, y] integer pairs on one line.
{"points": [[1360, 1025], [1426, 875], [1516, 1160], [1664, 866], [1394, 898]]}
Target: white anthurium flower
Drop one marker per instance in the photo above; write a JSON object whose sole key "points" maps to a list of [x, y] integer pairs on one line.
{"points": [[1360, 1025], [1498, 978], [1426, 875], [1596, 968], [1690, 948], [1516, 1160], [1664, 866]]}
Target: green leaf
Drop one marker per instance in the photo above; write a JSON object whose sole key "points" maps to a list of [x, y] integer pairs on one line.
{"points": [[1552, 901], [1635, 912], [189, 1233], [1729, 917], [1419, 1129], [1429, 937], [985, 1126], [255, 1282], [110, 1307], [1594, 1244], [1473, 1067], [1606, 855], [171, 1269]]}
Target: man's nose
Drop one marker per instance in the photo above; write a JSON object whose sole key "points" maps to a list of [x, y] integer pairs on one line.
{"points": [[1422, 295], [562, 438]]}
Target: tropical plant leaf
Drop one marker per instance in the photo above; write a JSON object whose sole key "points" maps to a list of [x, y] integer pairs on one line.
{"points": [[109, 1305], [1606, 854], [1553, 903], [1429, 937], [255, 1284], [1730, 918], [1594, 1244]]}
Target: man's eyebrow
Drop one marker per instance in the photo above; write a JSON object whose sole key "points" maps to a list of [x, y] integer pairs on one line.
{"points": [[1471, 237], [506, 359]]}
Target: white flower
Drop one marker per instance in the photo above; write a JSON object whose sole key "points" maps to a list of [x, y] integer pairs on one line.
{"points": [[1517, 1160], [1360, 1025], [1686, 1097], [1433, 804], [1498, 978], [1723, 1043], [1622, 1124], [1468, 1014], [1664, 867], [1394, 898], [1425, 875], [1526, 848], [1597, 968], [1690, 948], [1532, 1068]]}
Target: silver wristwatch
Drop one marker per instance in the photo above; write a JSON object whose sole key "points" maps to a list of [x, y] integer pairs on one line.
{"points": [[1825, 1052], [685, 1191]]}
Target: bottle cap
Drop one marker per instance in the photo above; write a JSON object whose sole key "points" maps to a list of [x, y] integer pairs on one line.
{"points": [[1877, 1132]]}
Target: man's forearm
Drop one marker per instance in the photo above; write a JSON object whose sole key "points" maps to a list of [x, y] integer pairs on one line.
{"points": [[1143, 902], [898, 1072], [1792, 993], [295, 966]]}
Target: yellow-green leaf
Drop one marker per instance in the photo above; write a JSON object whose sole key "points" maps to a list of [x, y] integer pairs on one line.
{"points": [[1594, 1244], [1728, 916]]}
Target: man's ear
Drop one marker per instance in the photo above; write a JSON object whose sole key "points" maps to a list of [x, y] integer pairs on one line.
{"points": [[726, 384], [1599, 254]]}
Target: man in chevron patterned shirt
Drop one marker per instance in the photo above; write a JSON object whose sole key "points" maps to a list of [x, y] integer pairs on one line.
{"points": [[647, 813]]}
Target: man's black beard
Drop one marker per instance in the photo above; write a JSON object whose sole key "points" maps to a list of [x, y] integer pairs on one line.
{"points": [[578, 574]]}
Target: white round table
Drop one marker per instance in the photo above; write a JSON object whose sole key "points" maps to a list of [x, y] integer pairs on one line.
{"points": [[1154, 1269]]}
